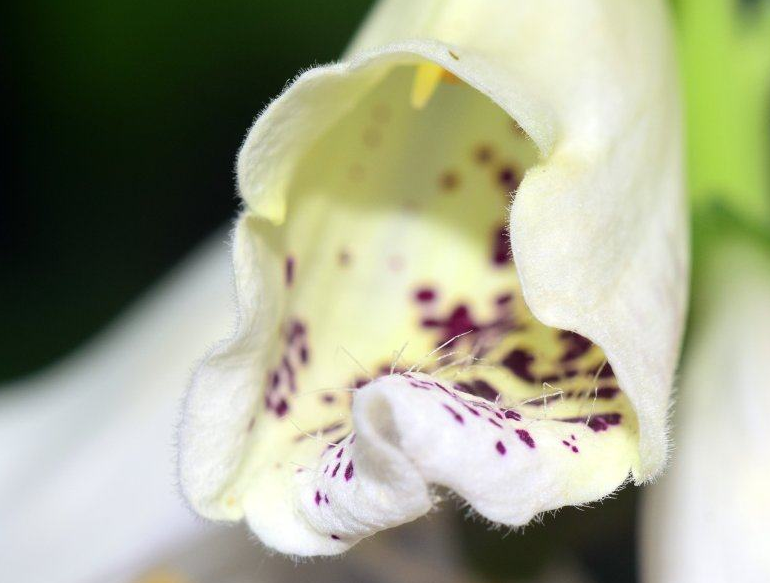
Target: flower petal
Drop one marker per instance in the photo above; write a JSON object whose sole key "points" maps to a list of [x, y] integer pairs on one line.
{"points": [[706, 519], [375, 241]]}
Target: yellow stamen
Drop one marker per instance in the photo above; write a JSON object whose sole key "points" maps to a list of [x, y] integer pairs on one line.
{"points": [[426, 80]]}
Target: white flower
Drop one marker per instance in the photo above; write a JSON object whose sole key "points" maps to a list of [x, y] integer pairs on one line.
{"points": [[87, 490], [373, 253], [706, 520]]}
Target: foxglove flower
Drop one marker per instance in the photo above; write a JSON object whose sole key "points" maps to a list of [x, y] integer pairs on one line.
{"points": [[706, 519], [87, 471], [461, 265]]}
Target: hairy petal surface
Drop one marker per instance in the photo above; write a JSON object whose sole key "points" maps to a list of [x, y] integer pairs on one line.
{"points": [[434, 229]]}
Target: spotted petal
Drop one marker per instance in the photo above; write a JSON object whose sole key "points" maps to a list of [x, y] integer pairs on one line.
{"points": [[461, 263]]}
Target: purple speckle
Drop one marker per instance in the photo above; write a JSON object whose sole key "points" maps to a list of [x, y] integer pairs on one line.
{"points": [[289, 270], [281, 408], [597, 423], [425, 295], [335, 470], [349, 471], [317, 498], [335, 537], [500, 447], [575, 449], [526, 437], [518, 362], [332, 428], [607, 392], [478, 388], [328, 398], [495, 423], [501, 247], [511, 414], [340, 452], [455, 414], [326, 499], [577, 345], [508, 178], [472, 410]]}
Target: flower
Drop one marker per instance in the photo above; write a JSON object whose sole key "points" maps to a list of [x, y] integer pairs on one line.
{"points": [[386, 342], [706, 519], [87, 492]]}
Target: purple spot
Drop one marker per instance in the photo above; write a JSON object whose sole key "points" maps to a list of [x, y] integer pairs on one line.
{"points": [[448, 180], [335, 537], [500, 448], [326, 498], [455, 414], [575, 449], [425, 295], [296, 330], [281, 408], [472, 410], [526, 437], [577, 345], [290, 373], [289, 270], [335, 470], [340, 452], [504, 299], [607, 392], [606, 371], [495, 423], [304, 354], [501, 247], [479, 388], [328, 398], [508, 179], [458, 322], [597, 423], [326, 469], [518, 361], [511, 414], [275, 379], [332, 428], [349, 471], [317, 498], [483, 154], [565, 442]]}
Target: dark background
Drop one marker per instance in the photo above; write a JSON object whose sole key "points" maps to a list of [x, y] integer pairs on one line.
{"points": [[121, 125], [119, 145]]}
